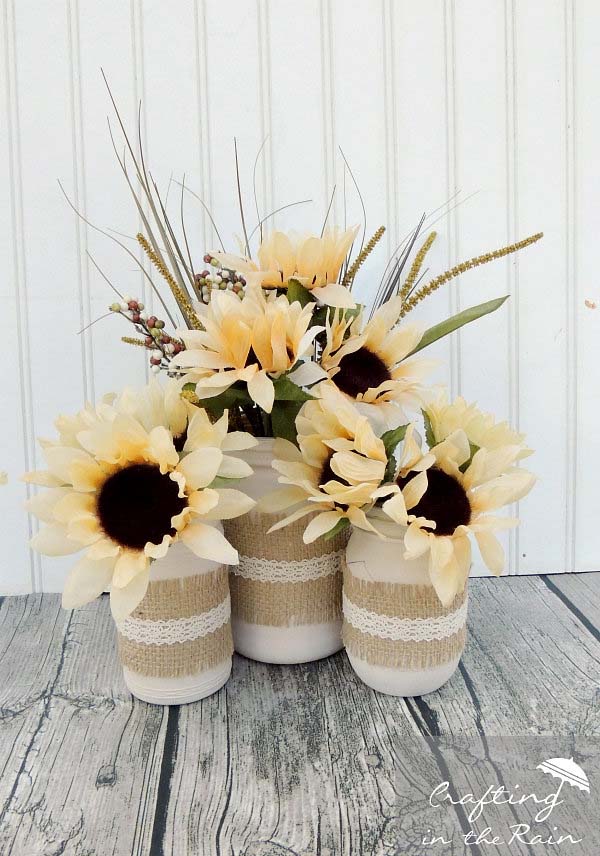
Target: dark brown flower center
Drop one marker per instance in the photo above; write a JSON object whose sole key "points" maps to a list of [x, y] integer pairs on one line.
{"points": [[136, 504], [444, 501], [327, 473], [360, 371]]}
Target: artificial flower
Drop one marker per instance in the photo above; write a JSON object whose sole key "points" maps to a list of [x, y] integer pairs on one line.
{"points": [[455, 497], [251, 341], [336, 472], [481, 428], [123, 493], [314, 262], [372, 364]]}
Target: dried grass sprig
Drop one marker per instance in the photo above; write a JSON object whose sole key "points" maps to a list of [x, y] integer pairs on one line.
{"points": [[130, 340], [417, 265], [457, 270], [178, 293], [358, 261]]}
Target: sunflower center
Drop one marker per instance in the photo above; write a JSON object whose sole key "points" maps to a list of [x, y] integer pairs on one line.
{"points": [[444, 501], [136, 504], [327, 473], [359, 371]]}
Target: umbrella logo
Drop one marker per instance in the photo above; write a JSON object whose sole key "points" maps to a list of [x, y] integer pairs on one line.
{"points": [[566, 770]]}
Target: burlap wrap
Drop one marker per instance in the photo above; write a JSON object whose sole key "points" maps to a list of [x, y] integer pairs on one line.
{"points": [[313, 593], [409, 603], [168, 603]]}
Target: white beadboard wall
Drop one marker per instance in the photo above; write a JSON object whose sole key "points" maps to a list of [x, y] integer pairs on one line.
{"points": [[496, 99]]}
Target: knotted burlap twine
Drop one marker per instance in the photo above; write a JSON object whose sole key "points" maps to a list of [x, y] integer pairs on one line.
{"points": [[281, 581], [401, 626], [181, 627]]}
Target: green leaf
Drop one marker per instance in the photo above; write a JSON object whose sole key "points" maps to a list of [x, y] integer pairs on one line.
{"points": [[297, 293], [474, 448], [429, 435], [342, 524], [390, 440], [287, 390], [283, 419], [232, 397], [444, 328]]}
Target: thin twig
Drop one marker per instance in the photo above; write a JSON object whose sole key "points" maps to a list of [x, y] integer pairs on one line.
{"points": [[328, 210], [239, 189], [258, 154]]}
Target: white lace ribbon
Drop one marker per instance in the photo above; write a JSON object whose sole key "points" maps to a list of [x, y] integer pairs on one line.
{"points": [[168, 631], [405, 629], [276, 571]]}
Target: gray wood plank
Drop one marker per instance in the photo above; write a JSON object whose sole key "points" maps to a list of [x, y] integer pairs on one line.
{"points": [[581, 594], [292, 760], [530, 667], [81, 775]]}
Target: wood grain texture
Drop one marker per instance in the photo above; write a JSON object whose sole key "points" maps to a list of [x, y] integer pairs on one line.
{"points": [[285, 761]]}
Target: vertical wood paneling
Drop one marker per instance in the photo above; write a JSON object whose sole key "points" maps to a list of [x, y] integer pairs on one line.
{"points": [[16, 418], [421, 146], [542, 295], [586, 175], [499, 100]]}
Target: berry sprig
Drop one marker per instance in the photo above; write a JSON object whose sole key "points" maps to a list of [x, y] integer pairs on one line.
{"points": [[219, 279], [152, 329]]}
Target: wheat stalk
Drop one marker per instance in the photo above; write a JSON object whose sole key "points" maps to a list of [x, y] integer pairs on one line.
{"points": [[129, 340], [417, 265], [366, 251], [457, 270], [178, 293]]}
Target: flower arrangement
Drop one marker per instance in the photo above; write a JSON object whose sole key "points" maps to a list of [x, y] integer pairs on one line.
{"points": [[129, 478], [269, 344]]}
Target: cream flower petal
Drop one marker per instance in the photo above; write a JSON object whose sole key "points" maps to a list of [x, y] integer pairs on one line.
{"points": [[262, 391], [415, 489], [502, 491], [103, 549], [43, 478], [203, 501], [158, 551], [200, 468], [280, 499], [124, 600], [335, 294], [208, 543], [87, 475], [396, 509], [359, 519], [291, 518], [416, 541], [320, 525], [60, 460], [491, 551], [43, 504], [487, 465], [73, 504], [234, 468], [86, 581], [237, 441], [52, 540], [129, 564], [84, 528], [356, 469], [231, 503], [286, 450], [161, 448], [444, 572]]}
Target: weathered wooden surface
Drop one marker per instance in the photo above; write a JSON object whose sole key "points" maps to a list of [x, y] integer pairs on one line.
{"points": [[285, 760]]}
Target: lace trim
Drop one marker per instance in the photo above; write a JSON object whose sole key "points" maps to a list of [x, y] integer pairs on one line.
{"points": [[405, 629], [172, 630], [275, 571]]}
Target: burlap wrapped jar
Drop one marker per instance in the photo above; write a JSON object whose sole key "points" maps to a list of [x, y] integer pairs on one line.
{"points": [[399, 638], [286, 596], [176, 646]]}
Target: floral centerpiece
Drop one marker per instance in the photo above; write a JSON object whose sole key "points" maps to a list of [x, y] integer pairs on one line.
{"points": [[271, 338]]}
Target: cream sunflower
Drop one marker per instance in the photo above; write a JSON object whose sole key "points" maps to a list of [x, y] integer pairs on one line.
{"points": [[314, 262], [372, 364], [336, 472], [124, 494], [444, 417], [455, 497], [251, 341]]}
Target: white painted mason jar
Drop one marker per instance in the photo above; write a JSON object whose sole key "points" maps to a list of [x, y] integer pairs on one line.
{"points": [[286, 596], [399, 638], [176, 646]]}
